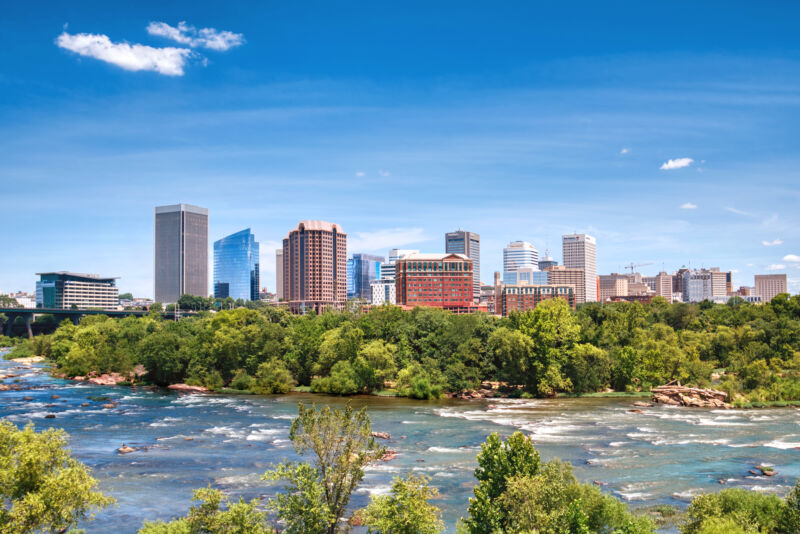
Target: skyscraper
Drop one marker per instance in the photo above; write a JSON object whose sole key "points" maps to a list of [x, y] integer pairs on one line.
{"points": [[362, 269], [236, 266], [279, 273], [469, 244], [181, 252], [315, 267], [547, 261], [518, 255], [580, 252]]}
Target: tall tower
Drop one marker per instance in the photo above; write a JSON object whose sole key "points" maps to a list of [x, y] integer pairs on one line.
{"points": [[469, 244], [315, 267], [279, 273], [518, 255], [181, 252], [236, 266], [580, 252]]}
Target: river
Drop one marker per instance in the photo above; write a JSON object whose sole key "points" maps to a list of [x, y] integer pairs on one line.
{"points": [[662, 455]]}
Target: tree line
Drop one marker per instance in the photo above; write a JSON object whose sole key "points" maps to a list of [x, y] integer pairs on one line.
{"points": [[750, 351]]}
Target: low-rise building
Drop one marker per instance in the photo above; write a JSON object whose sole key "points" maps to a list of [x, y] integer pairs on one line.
{"points": [[384, 291], [66, 290], [525, 297]]}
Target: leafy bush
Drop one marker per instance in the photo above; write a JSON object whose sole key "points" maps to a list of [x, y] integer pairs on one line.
{"points": [[272, 377], [343, 380], [241, 380], [415, 382]]}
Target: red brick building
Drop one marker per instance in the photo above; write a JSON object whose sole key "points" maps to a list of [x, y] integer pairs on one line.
{"points": [[435, 280], [315, 267], [526, 297]]}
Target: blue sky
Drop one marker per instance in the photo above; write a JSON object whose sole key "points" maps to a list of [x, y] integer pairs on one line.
{"points": [[401, 121]]}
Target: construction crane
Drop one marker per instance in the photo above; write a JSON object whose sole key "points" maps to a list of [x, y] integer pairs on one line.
{"points": [[633, 266]]}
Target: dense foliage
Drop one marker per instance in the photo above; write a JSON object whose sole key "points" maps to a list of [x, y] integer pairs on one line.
{"points": [[517, 494], [42, 488], [751, 351]]}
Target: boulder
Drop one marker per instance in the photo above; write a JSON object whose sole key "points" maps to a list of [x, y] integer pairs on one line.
{"points": [[84, 404], [125, 449], [641, 404], [186, 388], [388, 455], [109, 406], [50, 416], [381, 435]]}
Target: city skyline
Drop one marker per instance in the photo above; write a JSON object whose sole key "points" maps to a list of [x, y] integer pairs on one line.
{"points": [[668, 138]]}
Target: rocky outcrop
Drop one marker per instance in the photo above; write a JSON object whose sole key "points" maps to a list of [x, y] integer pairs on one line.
{"points": [[473, 394], [186, 388], [108, 379], [389, 455], [677, 395], [125, 449], [381, 435]]}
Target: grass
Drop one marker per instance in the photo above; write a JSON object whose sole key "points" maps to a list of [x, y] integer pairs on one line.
{"points": [[769, 404]]}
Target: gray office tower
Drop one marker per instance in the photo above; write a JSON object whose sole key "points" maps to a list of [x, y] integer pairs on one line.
{"points": [[468, 243], [181, 255]]}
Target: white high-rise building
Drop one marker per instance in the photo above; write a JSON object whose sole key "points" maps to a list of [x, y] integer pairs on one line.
{"points": [[518, 255], [770, 285], [580, 252]]}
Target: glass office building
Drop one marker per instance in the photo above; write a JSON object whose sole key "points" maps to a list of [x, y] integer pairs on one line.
{"points": [[362, 270], [236, 266]]}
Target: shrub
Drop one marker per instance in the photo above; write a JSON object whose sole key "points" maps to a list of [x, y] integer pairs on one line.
{"points": [[272, 377], [343, 380], [241, 380], [415, 382]]}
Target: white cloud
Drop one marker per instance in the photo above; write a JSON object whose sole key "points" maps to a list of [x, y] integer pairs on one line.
{"points": [[385, 174], [384, 239], [625, 151], [773, 243], [739, 212], [361, 174], [135, 57], [189, 35], [794, 258], [776, 267], [677, 163], [688, 206]]}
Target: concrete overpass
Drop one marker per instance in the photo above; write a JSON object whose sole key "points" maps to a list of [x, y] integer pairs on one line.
{"points": [[75, 315]]}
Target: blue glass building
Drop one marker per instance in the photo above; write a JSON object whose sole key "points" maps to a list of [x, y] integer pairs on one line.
{"points": [[236, 266], [362, 269]]}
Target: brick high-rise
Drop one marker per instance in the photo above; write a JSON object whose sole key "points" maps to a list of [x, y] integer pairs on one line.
{"points": [[435, 280], [315, 267]]}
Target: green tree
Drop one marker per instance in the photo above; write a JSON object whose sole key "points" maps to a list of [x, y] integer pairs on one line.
{"points": [[754, 512], [343, 380], [416, 382], [498, 462], [406, 510], [272, 377], [42, 487], [214, 515], [340, 445]]}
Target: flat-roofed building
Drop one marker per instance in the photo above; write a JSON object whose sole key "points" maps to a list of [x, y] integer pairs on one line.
{"points": [[279, 274], [434, 280], [315, 267], [66, 290], [770, 285], [580, 252], [518, 255], [613, 285], [525, 297], [469, 244], [181, 252], [560, 275]]}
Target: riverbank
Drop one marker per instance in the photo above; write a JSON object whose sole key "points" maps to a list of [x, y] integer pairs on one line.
{"points": [[661, 456]]}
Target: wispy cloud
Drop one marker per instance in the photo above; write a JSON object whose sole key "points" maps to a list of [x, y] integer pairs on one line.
{"points": [[186, 34], [135, 57], [739, 212], [361, 174], [776, 267], [794, 258], [383, 173], [385, 239], [677, 163], [773, 243], [688, 206], [625, 151]]}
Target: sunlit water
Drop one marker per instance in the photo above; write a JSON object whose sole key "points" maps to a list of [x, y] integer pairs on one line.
{"points": [[663, 455]]}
